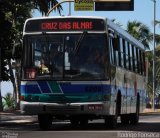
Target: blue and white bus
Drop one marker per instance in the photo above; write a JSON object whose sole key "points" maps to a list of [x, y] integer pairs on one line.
{"points": [[81, 69]]}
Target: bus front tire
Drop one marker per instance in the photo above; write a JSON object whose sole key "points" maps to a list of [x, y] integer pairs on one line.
{"points": [[134, 118], [45, 121], [111, 122]]}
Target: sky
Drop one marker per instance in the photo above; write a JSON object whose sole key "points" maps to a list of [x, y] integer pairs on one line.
{"points": [[143, 12]]}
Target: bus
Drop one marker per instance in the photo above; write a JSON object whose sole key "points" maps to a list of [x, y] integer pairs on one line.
{"points": [[80, 69]]}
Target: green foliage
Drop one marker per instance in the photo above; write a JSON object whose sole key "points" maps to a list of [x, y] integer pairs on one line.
{"points": [[141, 32], [157, 37], [149, 55], [44, 5], [13, 14], [9, 102]]}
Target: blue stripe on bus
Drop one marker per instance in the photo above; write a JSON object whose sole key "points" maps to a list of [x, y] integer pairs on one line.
{"points": [[66, 89], [30, 89], [83, 89], [44, 87]]}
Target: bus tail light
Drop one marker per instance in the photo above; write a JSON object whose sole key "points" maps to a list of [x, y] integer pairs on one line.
{"points": [[31, 73]]}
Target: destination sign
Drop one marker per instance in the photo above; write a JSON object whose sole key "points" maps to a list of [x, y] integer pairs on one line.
{"points": [[64, 24]]}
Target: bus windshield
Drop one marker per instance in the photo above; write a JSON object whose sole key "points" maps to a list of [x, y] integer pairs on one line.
{"points": [[66, 56]]}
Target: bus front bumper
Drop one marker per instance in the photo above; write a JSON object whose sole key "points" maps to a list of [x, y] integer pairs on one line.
{"points": [[95, 108]]}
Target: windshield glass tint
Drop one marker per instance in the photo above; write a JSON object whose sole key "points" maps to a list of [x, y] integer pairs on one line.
{"points": [[70, 57]]}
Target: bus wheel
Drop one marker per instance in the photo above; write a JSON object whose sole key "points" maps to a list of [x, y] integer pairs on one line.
{"points": [[125, 119], [118, 104], [134, 118], [45, 121], [111, 122]]}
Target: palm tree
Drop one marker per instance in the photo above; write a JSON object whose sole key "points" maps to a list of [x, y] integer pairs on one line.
{"points": [[44, 5], [141, 32], [8, 101], [149, 55]]}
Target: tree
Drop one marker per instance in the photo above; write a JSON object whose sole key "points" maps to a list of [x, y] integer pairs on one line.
{"points": [[8, 101], [6, 37], [13, 14], [44, 5], [141, 32]]}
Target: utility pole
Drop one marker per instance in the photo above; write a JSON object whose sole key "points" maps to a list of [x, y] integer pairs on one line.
{"points": [[69, 9], [154, 44]]}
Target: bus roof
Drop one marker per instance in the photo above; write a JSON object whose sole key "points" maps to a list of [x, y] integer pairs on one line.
{"points": [[54, 17]]}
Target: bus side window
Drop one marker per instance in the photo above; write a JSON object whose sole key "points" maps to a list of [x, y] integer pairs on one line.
{"points": [[138, 60], [124, 53], [121, 52], [133, 58], [141, 62], [116, 45], [112, 51], [129, 55], [115, 42]]}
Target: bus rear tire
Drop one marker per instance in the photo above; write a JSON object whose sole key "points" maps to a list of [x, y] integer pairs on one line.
{"points": [[134, 118], [125, 118], [111, 121], [45, 121]]}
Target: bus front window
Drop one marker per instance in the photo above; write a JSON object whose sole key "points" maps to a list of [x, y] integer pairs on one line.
{"points": [[87, 61], [68, 57]]}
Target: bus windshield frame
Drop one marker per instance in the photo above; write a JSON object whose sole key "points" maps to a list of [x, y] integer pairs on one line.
{"points": [[80, 56]]}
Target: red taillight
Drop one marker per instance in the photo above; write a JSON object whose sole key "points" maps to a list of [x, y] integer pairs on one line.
{"points": [[22, 98], [31, 73]]}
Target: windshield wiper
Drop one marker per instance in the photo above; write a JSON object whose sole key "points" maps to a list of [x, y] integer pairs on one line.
{"points": [[81, 38]]}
